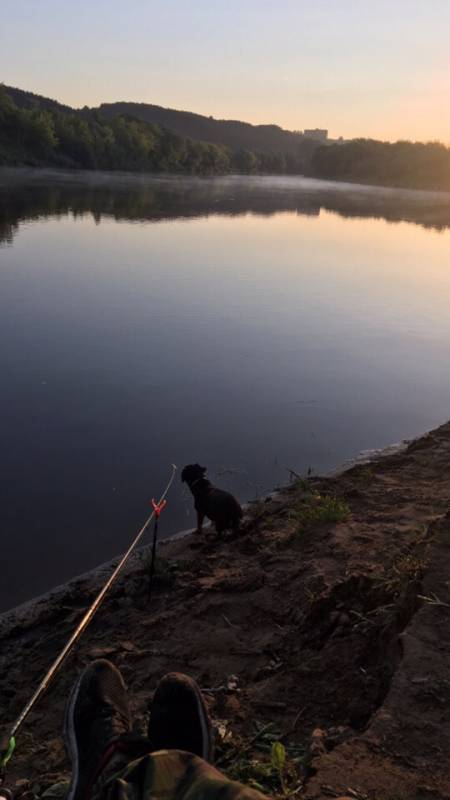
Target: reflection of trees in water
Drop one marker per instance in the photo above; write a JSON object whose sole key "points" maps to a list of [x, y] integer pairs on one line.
{"points": [[7, 231], [160, 199]]}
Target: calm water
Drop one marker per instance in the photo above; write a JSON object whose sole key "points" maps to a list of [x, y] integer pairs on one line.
{"points": [[248, 324]]}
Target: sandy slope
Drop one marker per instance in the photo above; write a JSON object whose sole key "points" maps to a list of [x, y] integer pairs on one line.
{"points": [[324, 624]]}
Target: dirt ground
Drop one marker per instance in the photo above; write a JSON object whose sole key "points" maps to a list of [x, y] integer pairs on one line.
{"points": [[323, 626]]}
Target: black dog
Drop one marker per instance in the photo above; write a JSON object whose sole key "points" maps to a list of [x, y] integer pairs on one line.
{"points": [[220, 507]]}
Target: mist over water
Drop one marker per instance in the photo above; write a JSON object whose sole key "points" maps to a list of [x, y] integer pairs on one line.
{"points": [[246, 323]]}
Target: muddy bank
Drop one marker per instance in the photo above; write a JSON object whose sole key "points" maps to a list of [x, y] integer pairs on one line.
{"points": [[330, 611]]}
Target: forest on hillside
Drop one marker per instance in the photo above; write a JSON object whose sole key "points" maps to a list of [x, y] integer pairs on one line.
{"points": [[233, 133], [53, 136], [411, 165], [37, 131]]}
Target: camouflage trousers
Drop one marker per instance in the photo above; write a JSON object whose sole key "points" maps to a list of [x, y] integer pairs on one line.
{"points": [[169, 775]]}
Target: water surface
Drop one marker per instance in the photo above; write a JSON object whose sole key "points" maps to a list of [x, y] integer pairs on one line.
{"points": [[246, 323]]}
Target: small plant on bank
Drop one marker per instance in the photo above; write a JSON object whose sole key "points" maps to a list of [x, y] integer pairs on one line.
{"points": [[318, 508], [278, 763], [265, 763], [407, 571], [165, 571], [302, 485], [409, 568]]}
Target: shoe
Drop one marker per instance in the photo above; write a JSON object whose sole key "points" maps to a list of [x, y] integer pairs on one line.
{"points": [[179, 718], [97, 716]]}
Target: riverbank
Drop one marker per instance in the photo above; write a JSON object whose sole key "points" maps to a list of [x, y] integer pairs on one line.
{"points": [[324, 626]]}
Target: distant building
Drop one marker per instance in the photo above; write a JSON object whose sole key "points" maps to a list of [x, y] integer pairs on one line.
{"points": [[318, 134]]}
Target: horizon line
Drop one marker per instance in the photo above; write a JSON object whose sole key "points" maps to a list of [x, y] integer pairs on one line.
{"points": [[226, 119]]}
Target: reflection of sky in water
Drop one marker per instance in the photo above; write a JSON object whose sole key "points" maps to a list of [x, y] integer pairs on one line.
{"points": [[246, 343]]}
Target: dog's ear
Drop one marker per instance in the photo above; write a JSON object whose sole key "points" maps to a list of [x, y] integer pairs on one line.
{"points": [[203, 469]]}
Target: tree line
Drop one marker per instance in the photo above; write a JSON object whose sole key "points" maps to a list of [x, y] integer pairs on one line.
{"points": [[413, 165], [85, 140], [40, 132]]}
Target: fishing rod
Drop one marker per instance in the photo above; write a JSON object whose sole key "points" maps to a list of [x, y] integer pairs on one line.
{"points": [[8, 742]]}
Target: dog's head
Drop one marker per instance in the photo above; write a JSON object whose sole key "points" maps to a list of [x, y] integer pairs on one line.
{"points": [[192, 473]]}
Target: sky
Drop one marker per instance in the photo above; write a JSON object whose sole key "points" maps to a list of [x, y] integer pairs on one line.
{"points": [[356, 67]]}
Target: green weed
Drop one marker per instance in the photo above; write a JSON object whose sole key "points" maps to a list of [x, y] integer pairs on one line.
{"points": [[264, 762], [278, 763], [318, 508]]}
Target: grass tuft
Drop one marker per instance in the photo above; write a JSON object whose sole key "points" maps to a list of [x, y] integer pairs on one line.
{"points": [[317, 508]]}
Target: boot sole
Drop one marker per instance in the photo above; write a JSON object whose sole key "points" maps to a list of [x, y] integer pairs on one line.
{"points": [[70, 738], [208, 747]]}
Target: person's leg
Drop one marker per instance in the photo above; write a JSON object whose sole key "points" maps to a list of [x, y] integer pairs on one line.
{"points": [[109, 764], [172, 775]]}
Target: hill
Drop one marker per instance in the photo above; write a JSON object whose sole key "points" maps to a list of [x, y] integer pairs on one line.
{"points": [[29, 100], [323, 625], [275, 149], [232, 133], [37, 131]]}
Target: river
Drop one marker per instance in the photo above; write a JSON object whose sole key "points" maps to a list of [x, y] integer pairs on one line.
{"points": [[250, 324]]}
